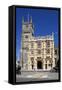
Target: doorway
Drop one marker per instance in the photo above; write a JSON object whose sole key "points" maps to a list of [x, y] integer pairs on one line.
{"points": [[39, 65]]}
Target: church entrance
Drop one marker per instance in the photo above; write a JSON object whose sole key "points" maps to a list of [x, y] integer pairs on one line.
{"points": [[39, 65]]}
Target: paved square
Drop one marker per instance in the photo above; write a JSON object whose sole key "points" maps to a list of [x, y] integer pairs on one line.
{"points": [[36, 76]]}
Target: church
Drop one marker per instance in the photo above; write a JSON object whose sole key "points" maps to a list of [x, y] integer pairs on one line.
{"points": [[37, 53]]}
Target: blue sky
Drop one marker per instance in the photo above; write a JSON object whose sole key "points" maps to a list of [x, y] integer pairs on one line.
{"points": [[45, 22]]}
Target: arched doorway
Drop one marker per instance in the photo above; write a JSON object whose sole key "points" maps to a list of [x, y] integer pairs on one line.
{"points": [[39, 65]]}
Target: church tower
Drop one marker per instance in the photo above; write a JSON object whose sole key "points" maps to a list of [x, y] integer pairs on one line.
{"points": [[27, 33]]}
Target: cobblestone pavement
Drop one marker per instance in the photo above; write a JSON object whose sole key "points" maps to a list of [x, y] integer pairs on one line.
{"points": [[36, 76]]}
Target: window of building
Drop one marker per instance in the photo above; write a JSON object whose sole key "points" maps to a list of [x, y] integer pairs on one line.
{"points": [[26, 36], [32, 45], [42, 51], [48, 62], [32, 52], [27, 25], [47, 43], [39, 44], [45, 61], [32, 61], [32, 58], [48, 51], [48, 57], [38, 51]]}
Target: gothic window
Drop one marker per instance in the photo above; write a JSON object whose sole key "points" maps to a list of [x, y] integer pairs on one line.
{"points": [[32, 58], [39, 44], [26, 36], [47, 51], [47, 43], [38, 51], [48, 62], [48, 57], [31, 44], [42, 50], [32, 52]]}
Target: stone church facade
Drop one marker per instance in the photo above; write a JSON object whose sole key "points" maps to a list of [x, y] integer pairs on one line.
{"points": [[37, 53]]}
